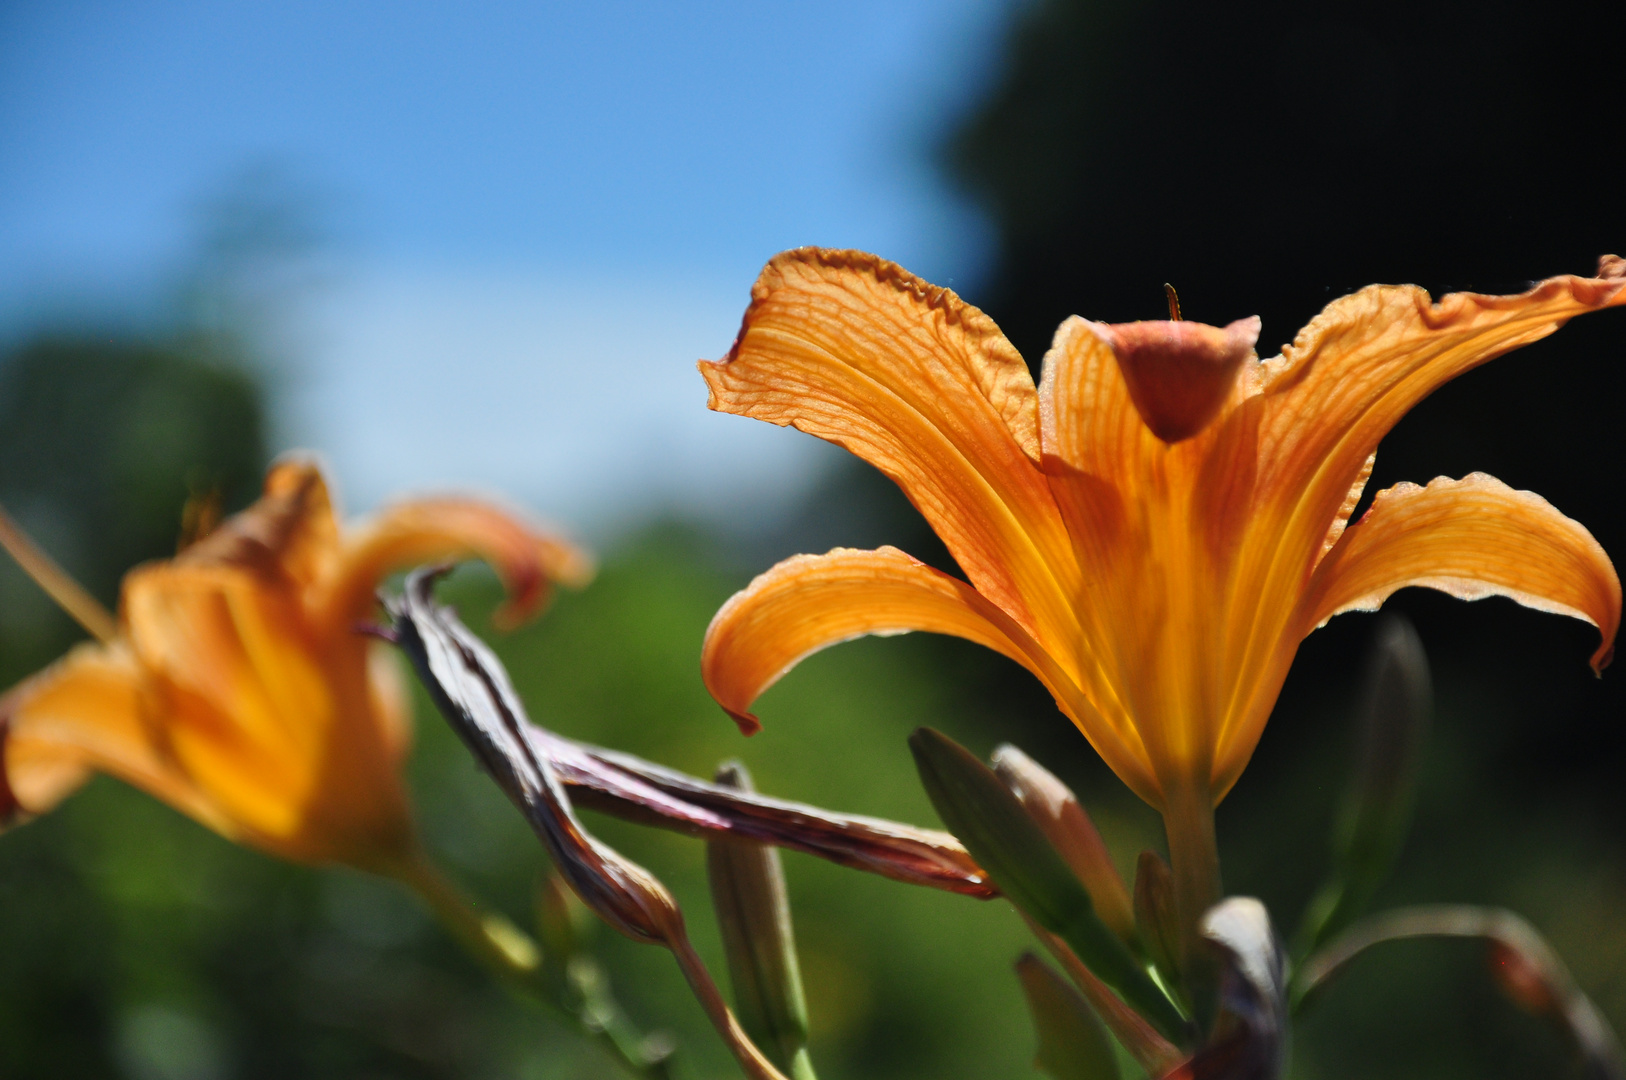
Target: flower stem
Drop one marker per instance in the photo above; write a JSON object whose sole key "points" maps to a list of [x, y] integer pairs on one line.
{"points": [[1188, 819], [71, 596], [751, 1059], [512, 955], [492, 939]]}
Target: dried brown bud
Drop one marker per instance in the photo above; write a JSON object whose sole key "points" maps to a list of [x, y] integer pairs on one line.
{"points": [[472, 690]]}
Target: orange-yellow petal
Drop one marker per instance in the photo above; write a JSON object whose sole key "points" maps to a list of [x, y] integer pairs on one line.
{"points": [[526, 557], [1316, 414], [276, 726], [853, 349], [389, 699], [90, 711], [1153, 524], [291, 533], [1471, 538], [246, 705], [809, 602], [1366, 360]]}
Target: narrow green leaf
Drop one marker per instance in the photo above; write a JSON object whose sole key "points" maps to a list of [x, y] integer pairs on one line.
{"points": [[1391, 731], [753, 911], [992, 824], [1073, 1044]]}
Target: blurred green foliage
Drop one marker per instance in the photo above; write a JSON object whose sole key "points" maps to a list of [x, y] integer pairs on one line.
{"points": [[102, 442], [138, 944]]}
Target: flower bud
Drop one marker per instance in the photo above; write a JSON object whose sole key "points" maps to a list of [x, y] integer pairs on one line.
{"points": [[1156, 917], [753, 911], [1058, 813], [1392, 730], [997, 831]]}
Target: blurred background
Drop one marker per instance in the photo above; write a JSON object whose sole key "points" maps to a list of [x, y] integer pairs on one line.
{"points": [[482, 248]]}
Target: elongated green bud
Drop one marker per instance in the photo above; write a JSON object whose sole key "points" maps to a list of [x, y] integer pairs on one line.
{"points": [[1061, 817], [753, 910], [1156, 916], [1392, 729], [992, 824]]}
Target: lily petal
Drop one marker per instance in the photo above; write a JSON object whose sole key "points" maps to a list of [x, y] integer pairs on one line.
{"points": [[248, 709], [87, 713], [1323, 405], [1153, 526], [1471, 538], [809, 602], [291, 532], [526, 558], [853, 349], [1369, 358], [1094, 445]]}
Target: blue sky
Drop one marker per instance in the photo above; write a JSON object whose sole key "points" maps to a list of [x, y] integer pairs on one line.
{"points": [[537, 216]]}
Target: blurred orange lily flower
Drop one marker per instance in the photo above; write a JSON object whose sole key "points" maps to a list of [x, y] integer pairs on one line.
{"points": [[1153, 528], [237, 688]]}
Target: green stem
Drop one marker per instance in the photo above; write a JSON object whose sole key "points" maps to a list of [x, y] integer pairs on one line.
{"points": [[513, 956], [497, 943], [1188, 819]]}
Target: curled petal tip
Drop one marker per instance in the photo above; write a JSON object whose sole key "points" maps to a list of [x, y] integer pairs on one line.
{"points": [[1601, 659], [1611, 268], [748, 724], [528, 594], [529, 582], [575, 568], [528, 559]]}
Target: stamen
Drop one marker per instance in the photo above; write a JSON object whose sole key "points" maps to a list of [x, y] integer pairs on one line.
{"points": [[69, 595], [1174, 302], [199, 517]]}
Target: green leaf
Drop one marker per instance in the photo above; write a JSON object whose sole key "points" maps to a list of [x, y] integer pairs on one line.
{"points": [[1392, 729], [992, 824], [1073, 1044]]}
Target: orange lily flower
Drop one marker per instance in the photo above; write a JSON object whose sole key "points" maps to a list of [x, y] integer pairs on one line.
{"points": [[1154, 528], [237, 689]]}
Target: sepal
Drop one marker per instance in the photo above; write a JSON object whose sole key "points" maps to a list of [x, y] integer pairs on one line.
{"points": [[991, 822]]}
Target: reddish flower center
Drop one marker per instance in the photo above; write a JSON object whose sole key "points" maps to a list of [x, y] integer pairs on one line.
{"points": [[1180, 373]]}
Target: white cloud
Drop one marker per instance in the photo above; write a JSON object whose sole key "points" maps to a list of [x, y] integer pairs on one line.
{"points": [[576, 396]]}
